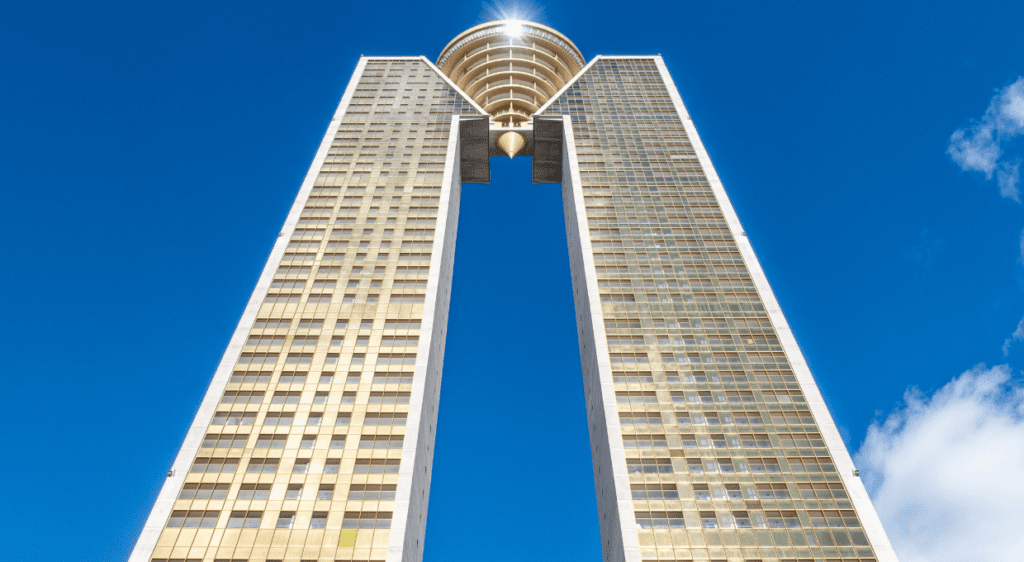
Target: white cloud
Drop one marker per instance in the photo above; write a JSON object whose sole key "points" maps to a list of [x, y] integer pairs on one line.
{"points": [[1016, 336], [979, 148], [946, 473]]}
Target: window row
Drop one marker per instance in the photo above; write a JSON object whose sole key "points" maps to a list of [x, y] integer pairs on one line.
{"points": [[369, 221], [850, 535], [335, 242], [710, 397], [699, 376], [713, 419], [750, 357], [753, 465], [251, 358], [679, 340], [267, 441], [385, 341], [285, 519], [626, 298], [285, 272], [339, 324], [362, 492], [324, 298], [313, 418], [218, 465], [326, 377], [688, 323]]}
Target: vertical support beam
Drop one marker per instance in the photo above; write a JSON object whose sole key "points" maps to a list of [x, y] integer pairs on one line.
{"points": [[619, 541], [409, 519]]}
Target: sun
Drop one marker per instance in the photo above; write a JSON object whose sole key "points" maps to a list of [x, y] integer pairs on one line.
{"points": [[514, 28], [513, 11]]}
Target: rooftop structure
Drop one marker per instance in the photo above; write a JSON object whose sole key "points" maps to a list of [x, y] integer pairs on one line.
{"points": [[511, 68]]}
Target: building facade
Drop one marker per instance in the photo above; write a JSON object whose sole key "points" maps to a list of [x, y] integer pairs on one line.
{"points": [[709, 437]]}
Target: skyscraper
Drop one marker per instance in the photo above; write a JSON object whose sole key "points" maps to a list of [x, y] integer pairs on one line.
{"points": [[710, 440]]}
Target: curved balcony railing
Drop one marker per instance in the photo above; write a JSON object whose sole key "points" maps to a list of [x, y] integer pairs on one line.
{"points": [[511, 75]]}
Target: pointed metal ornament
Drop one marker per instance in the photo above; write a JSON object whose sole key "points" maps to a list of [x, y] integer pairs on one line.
{"points": [[511, 143]]}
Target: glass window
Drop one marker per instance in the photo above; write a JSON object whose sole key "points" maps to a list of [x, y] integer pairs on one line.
{"points": [[319, 520], [326, 492], [253, 492], [285, 520]]}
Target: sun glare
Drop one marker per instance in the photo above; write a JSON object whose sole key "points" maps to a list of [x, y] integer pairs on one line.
{"points": [[514, 28]]}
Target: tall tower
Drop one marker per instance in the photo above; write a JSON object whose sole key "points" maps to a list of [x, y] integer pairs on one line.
{"points": [[709, 437]]}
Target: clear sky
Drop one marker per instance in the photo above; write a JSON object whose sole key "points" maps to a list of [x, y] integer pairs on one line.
{"points": [[149, 153]]}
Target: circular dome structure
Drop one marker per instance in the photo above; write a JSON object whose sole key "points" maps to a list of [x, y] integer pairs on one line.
{"points": [[510, 68]]}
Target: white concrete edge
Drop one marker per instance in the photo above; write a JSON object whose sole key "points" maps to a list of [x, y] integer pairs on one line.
{"points": [[165, 500], [452, 84], [568, 85], [844, 464], [620, 472], [409, 465]]}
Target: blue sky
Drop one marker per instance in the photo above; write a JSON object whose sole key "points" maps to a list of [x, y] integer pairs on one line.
{"points": [[149, 153]]}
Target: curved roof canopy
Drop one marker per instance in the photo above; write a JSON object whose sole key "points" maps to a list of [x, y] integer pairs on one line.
{"points": [[511, 67]]}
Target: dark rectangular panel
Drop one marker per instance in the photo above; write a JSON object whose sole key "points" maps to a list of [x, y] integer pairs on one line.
{"points": [[547, 150], [474, 134]]}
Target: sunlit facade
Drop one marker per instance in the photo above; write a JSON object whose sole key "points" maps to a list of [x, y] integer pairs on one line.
{"points": [[710, 439]]}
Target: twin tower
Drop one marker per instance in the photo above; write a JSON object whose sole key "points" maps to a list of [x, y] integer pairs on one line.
{"points": [[710, 439]]}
